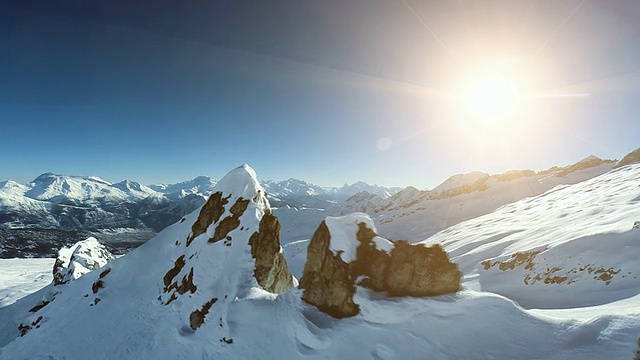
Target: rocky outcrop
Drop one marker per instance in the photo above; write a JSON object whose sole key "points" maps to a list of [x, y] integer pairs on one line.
{"points": [[209, 213], [233, 246], [271, 271], [586, 163], [84, 256], [327, 280], [335, 266], [408, 270]]}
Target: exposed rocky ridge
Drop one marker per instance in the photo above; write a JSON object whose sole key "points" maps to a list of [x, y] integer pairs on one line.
{"points": [[631, 158], [586, 163], [237, 207], [191, 273], [79, 259], [228, 311], [94, 206], [399, 269]]}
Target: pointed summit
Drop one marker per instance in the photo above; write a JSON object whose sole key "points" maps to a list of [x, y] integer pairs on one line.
{"points": [[194, 275], [240, 182]]}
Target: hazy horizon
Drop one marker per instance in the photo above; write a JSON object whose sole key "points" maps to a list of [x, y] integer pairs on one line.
{"points": [[326, 92]]}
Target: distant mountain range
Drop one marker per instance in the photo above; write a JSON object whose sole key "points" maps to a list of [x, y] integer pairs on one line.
{"points": [[553, 276], [55, 210]]}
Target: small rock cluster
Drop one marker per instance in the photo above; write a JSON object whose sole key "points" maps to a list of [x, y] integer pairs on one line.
{"points": [[329, 282]]}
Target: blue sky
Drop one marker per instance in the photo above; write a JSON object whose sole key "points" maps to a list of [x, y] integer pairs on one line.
{"points": [[164, 91]]}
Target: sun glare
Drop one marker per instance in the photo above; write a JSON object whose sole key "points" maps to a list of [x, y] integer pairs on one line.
{"points": [[490, 97]]}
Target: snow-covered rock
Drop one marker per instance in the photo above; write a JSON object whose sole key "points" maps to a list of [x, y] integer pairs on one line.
{"points": [[79, 259], [345, 252], [190, 274]]}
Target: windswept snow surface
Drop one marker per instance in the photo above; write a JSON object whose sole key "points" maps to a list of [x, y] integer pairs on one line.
{"points": [[432, 211], [572, 246], [588, 223], [21, 277]]}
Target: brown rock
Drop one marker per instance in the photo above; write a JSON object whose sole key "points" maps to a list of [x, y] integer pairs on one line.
{"points": [[230, 223], [272, 271], [209, 214], [417, 270], [408, 270], [326, 279], [196, 319]]}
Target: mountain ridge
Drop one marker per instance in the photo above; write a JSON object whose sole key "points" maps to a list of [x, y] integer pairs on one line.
{"points": [[193, 291], [91, 205]]}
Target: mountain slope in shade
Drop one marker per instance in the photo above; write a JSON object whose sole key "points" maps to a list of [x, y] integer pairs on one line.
{"points": [[169, 300]]}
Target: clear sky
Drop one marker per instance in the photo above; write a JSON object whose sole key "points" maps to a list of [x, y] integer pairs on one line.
{"points": [[325, 91]]}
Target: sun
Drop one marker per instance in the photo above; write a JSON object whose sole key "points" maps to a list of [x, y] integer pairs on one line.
{"points": [[489, 97]]}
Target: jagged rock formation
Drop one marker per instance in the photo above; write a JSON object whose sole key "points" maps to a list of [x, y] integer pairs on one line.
{"points": [[79, 259], [192, 274], [326, 280], [235, 226], [349, 253], [271, 272]]}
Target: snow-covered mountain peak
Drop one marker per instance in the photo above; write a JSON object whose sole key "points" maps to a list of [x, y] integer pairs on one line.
{"points": [[202, 185], [12, 187], [192, 276], [74, 189], [349, 190], [241, 182], [135, 189], [292, 186]]}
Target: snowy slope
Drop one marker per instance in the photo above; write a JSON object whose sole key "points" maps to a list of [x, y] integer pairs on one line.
{"points": [[414, 215], [572, 246], [136, 318], [430, 212], [21, 277]]}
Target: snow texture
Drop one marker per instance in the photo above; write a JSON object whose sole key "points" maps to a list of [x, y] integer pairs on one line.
{"points": [[571, 226]]}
